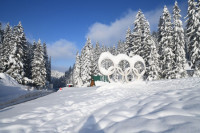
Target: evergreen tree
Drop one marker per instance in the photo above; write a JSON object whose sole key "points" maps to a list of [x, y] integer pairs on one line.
{"points": [[24, 45], [29, 59], [166, 46], [86, 62], [121, 47], [179, 43], [195, 51], [191, 29], [149, 54], [138, 34], [14, 53], [38, 66], [97, 52], [7, 47], [1, 48], [46, 60], [151, 60], [128, 44], [160, 36], [49, 70], [77, 72]]}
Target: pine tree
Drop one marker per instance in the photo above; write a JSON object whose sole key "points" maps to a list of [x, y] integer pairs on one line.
{"points": [[86, 62], [97, 52], [195, 49], [191, 29], [128, 44], [46, 60], [160, 36], [7, 47], [151, 60], [149, 53], [166, 46], [49, 70], [179, 43], [38, 66], [77, 72], [1, 48], [25, 54]]}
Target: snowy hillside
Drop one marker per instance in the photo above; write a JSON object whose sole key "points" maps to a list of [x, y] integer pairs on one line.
{"points": [[56, 74], [159, 106], [12, 93]]}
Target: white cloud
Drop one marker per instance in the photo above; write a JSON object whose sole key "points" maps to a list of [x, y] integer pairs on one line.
{"points": [[62, 49], [110, 34]]}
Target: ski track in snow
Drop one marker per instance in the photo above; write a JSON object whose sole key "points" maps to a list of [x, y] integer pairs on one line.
{"points": [[157, 106]]}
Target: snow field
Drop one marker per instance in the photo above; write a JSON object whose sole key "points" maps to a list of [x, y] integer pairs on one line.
{"points": [[13, 93], [158, 106]]}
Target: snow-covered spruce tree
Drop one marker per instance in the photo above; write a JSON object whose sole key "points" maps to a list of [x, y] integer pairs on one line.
{"points": [[160, 29], [97, 52], [121, 47], [128, 44], [195, 52], [138, 34], [1, 48], [7, 48], [46, 60], [77, 71], [167, 56], [149, 54], [26, 51], [15, 64], [113, 50], [179, 43], [49, 70], [86, 62], [29, 57], [191, 28], [151, 59], [38, 66]]}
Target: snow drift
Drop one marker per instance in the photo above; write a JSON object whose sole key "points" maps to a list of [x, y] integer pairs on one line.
{"points": [[157, 106], [12, 93]]}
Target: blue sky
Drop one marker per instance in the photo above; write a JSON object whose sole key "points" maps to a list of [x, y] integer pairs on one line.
{"points": [[65, 24]]}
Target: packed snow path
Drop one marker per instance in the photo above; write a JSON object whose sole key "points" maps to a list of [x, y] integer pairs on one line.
{"points": [[159, 106]]}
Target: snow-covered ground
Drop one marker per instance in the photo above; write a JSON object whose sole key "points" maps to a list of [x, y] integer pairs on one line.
{"points": [[12, 93], [158, 106]]}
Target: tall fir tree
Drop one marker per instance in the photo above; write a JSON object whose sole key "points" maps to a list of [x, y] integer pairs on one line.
{"points": [[128, 44], [121, 47], [46, 60], [49, 70], [167, 56], [7, 47], [86, 62], [25, 54], [191, 29], [38, 66], [97, 52], [15, 62], [1, 48], [77, 71], [195, 52], [179, 43], [138, 34], [151, 60]]}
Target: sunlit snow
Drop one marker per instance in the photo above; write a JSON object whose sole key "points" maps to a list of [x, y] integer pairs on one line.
{"points": [[157, 106]]}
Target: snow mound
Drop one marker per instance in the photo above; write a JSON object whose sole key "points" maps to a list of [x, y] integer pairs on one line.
{"points": [[7, 80], [12, 93]]}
